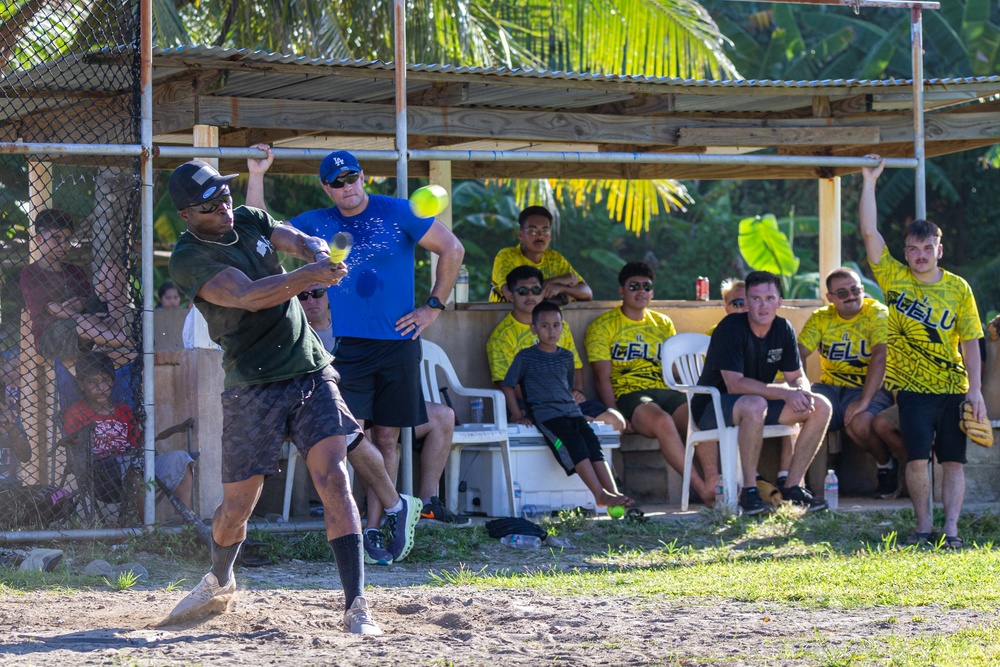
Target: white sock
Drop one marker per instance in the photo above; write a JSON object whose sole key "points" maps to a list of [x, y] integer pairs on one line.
{"points": [[782, 473], [395, 508], [883, 467]]}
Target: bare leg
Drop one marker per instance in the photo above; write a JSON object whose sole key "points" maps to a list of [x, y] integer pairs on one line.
{"points": [[386, 439], [229, 525], [953, 494], [437, 434], [919, 484], [369, 464], [328, 468], [602, 495], [651, 421], [748, 414], [787, 451], [890, 435], [613, 418], [810, 436], [862, 433]]}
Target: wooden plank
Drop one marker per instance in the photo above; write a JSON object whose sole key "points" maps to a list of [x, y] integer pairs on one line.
{"points": [[773, 136]]}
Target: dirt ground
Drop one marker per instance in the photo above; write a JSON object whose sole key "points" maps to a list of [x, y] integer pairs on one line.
{"points": [[290, 614]]}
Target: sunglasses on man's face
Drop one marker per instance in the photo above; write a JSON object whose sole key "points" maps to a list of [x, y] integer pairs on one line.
{"points": [[636, 286], [316, 293], [212, 205], [844, 292], [525, 291], [350, 178], [738, 303]]}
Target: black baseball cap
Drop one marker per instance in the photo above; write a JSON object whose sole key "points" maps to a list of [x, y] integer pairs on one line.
{"points": [[196, 182], [336, 164]]}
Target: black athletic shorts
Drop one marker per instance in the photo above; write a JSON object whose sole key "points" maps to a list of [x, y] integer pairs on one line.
{"points": [[257, 418], [929, 422], [706, 421], [380, 380], [571, 440]]}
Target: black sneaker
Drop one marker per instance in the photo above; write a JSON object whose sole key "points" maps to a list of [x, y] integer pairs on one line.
{"points": [[801, 497], [435, 511], [751, 502], [780, 482], [374, 544], [888, 482]]}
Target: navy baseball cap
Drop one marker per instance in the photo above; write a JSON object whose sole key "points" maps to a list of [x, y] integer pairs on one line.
{"points": [[336, 164], [196, 182]]}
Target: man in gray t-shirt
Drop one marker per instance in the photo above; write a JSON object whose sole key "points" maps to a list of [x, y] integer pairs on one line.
{"points": [[545, 374]]}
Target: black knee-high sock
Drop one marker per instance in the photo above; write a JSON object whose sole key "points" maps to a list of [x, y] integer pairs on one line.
{"points": [[223, 559], [348, 553]]}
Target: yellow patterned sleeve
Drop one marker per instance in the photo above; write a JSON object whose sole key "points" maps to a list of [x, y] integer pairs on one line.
{"points": [[970, 327], [503, 263], [811, 334], [599, 337], [566, 341], [878, 322]]}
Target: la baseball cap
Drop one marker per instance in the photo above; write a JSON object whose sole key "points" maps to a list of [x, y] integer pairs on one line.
{"points": [[336, 164], [196, 182]]}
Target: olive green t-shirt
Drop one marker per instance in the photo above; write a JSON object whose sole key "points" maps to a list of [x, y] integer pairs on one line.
{"points": [[258, 347]]}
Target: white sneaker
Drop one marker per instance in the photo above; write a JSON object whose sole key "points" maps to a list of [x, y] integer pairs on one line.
{"points": [[208, 597], [358, 620]]}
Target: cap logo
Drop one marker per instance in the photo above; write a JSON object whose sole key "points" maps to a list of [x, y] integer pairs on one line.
{"points": [[337, 161], [207, 194], [204, 174]]}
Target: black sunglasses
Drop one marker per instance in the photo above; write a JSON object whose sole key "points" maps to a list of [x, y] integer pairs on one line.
{"points": [[636, 286], [525, 291], [212, 205], [844, 292], [738, 303], [350, 179], [316, 293]]}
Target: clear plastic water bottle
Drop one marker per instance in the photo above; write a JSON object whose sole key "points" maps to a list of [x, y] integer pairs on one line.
{"points": [[535, 511], [462, 285], [831, 490], [476, 408], [517, 499], [521, 541], [720, 487]]}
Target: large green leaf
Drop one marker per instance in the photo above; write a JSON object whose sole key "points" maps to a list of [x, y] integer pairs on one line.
{"points": [[765, 247]]}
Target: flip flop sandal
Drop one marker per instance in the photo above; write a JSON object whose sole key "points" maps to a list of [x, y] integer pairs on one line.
{"points": [[916, 538], [635, 514], [952, 542]]}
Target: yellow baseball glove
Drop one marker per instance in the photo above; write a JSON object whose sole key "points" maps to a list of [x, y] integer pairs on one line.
{"points": [[979, 432]]}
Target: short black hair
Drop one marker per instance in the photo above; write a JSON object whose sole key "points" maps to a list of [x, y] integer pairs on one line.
{"points": [[95, 364], [165, 287], [523, 272], [53, 218], [763, 278], [522, 219], [633, 269], [841, 272], [544, 307], [922, 229]]}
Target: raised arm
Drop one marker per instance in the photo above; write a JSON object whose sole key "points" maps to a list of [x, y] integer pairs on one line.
{"points": [[868, 212], [257, 167]]}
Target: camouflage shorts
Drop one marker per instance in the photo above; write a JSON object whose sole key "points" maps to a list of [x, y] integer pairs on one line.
{"points": [[257, 419]]}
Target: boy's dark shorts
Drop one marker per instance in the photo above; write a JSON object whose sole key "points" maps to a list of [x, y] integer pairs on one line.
{"points": [[841, 397], [380, 380], [257, 418], [571, 440], [668, 399], [706, 421], [930, 422], [591, 408]]}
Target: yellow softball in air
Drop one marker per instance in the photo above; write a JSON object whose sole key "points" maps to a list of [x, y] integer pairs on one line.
{"points": [[429, 201]]}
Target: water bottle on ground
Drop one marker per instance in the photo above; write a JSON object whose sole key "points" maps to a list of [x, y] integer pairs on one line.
{"points": [[476, 408], [720, 488], [521, 541], [462, 285], [831, 489], [535, 511]]}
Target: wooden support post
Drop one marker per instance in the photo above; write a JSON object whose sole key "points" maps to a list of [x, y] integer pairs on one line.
{"points": [[829, 228]]}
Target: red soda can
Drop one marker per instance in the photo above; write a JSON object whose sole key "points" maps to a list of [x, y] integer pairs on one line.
{"points": [[701, 289]]}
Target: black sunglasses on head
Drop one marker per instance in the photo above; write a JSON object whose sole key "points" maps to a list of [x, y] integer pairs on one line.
{"points": [[525, 291], [316, 293], [350, 178], [636, 286]]}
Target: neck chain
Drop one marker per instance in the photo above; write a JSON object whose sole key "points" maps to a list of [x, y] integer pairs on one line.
{"points": [[236, 234]]}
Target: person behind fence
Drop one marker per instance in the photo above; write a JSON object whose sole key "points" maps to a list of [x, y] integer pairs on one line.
{"points": [[625, 350], [67, 315], [169, 295], [117, 456], [431, 439], [15, 449], [523, 288], [545, 374], [278, 380], [745, 353], [535, 233], [933, 363], [851, 335]]}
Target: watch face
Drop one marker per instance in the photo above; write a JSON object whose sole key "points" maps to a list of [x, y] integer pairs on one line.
{"points": [[435, 302]]}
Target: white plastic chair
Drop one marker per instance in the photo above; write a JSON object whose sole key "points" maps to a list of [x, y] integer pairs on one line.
{"points": [[435, 360], [684, 354]]}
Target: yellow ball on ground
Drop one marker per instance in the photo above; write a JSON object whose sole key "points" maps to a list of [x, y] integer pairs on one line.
{"points": [[616, 511], [429, 201]]}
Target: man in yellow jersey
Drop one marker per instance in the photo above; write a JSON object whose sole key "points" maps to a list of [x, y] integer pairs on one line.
{"points": [[523, 288], [624, 347], [933, 358], [562, 282], [851, 336]]}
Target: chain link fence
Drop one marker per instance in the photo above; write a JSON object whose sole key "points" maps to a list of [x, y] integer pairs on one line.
{"points": [[70, 430]]}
